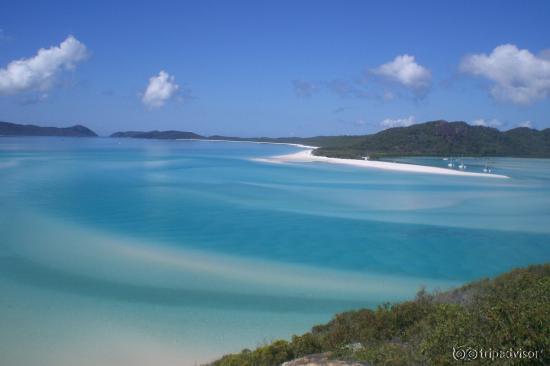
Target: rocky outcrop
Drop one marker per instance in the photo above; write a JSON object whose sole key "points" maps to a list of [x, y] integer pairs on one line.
{"points": [[321, 359]]}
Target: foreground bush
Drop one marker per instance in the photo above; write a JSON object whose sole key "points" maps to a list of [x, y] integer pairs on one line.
{"points": [[489, 318]]}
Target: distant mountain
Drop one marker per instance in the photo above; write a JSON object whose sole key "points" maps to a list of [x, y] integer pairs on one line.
{"points": [[167, 135], [436, 138], [14, 129]]}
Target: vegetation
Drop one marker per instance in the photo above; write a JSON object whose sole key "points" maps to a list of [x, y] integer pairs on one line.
{"points": [[441, 138], [437, 138], [165, 135], [14, 129], [510, 313]]}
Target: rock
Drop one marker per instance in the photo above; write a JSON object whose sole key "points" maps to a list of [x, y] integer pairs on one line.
{"points": [[320, 359]]}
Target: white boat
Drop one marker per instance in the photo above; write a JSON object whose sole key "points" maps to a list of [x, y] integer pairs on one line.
{"points": [[486, 169]]}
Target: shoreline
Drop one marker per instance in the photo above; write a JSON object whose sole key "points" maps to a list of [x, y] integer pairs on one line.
{"points": [[306, 156], [256, 142]]}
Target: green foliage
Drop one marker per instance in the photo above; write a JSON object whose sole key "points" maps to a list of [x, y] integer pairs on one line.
{"points": [[437, 138], [388, 354], [273, 354], [510, 311], [270, 355], [306, 344], [440, 138]]}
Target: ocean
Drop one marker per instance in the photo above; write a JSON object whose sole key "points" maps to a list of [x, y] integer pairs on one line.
{"points": [[148, 252]]}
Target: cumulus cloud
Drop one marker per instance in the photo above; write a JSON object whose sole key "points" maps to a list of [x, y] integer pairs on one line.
{"points": [[405, 71], [39, 71], [487, 123], [402, 71], [517, 75], [527, 124], [398, 122], [160, 89]]}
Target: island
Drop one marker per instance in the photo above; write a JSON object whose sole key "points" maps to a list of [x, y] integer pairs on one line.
{"points": [[162, 135], [14, 129], [434, 138]]}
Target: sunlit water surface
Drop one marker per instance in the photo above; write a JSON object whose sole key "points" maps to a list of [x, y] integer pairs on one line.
{"points": [[138, 252]]}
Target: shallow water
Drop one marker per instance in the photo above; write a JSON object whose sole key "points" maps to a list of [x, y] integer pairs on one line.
{"points": [[141, 252]]}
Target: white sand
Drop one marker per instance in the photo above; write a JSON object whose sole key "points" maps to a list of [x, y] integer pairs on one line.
{"points": [[306, 156]]}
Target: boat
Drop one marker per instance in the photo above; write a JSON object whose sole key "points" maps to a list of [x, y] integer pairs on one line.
{"points": [[486, 169], [451, 164]]}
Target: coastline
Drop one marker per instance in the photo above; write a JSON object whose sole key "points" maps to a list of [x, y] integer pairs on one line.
{"points": [[255, 142], [306, 156]]}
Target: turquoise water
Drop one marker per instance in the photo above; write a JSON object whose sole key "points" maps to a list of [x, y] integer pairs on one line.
{"points": [[139, 252]]}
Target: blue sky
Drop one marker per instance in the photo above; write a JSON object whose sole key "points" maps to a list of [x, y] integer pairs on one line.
{"points": [[274, 68]]}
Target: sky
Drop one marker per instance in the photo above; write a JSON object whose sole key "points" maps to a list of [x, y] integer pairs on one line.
{"points": [[274, 68]]}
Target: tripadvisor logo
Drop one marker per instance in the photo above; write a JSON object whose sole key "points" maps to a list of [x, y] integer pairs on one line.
{"points": [[465, 353]]}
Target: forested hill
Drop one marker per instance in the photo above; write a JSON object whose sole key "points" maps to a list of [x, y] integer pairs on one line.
{"points": [[441, 138], [436, 138], [14, 129], [166, 135]]}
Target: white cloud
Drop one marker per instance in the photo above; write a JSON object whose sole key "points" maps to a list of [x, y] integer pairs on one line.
{"points": [[160, 89], [405, 71], [398, 122], [39, 71], [517, 75], [486, 123], [526, 124]]}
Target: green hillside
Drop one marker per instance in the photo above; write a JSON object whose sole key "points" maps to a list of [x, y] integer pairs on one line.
{"points": [[510, 313], [441, 138], [14, 129], [161, 135], [437, 138]]}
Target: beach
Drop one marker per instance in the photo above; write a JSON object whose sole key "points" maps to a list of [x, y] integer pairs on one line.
{"points": [[306, 156]]}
